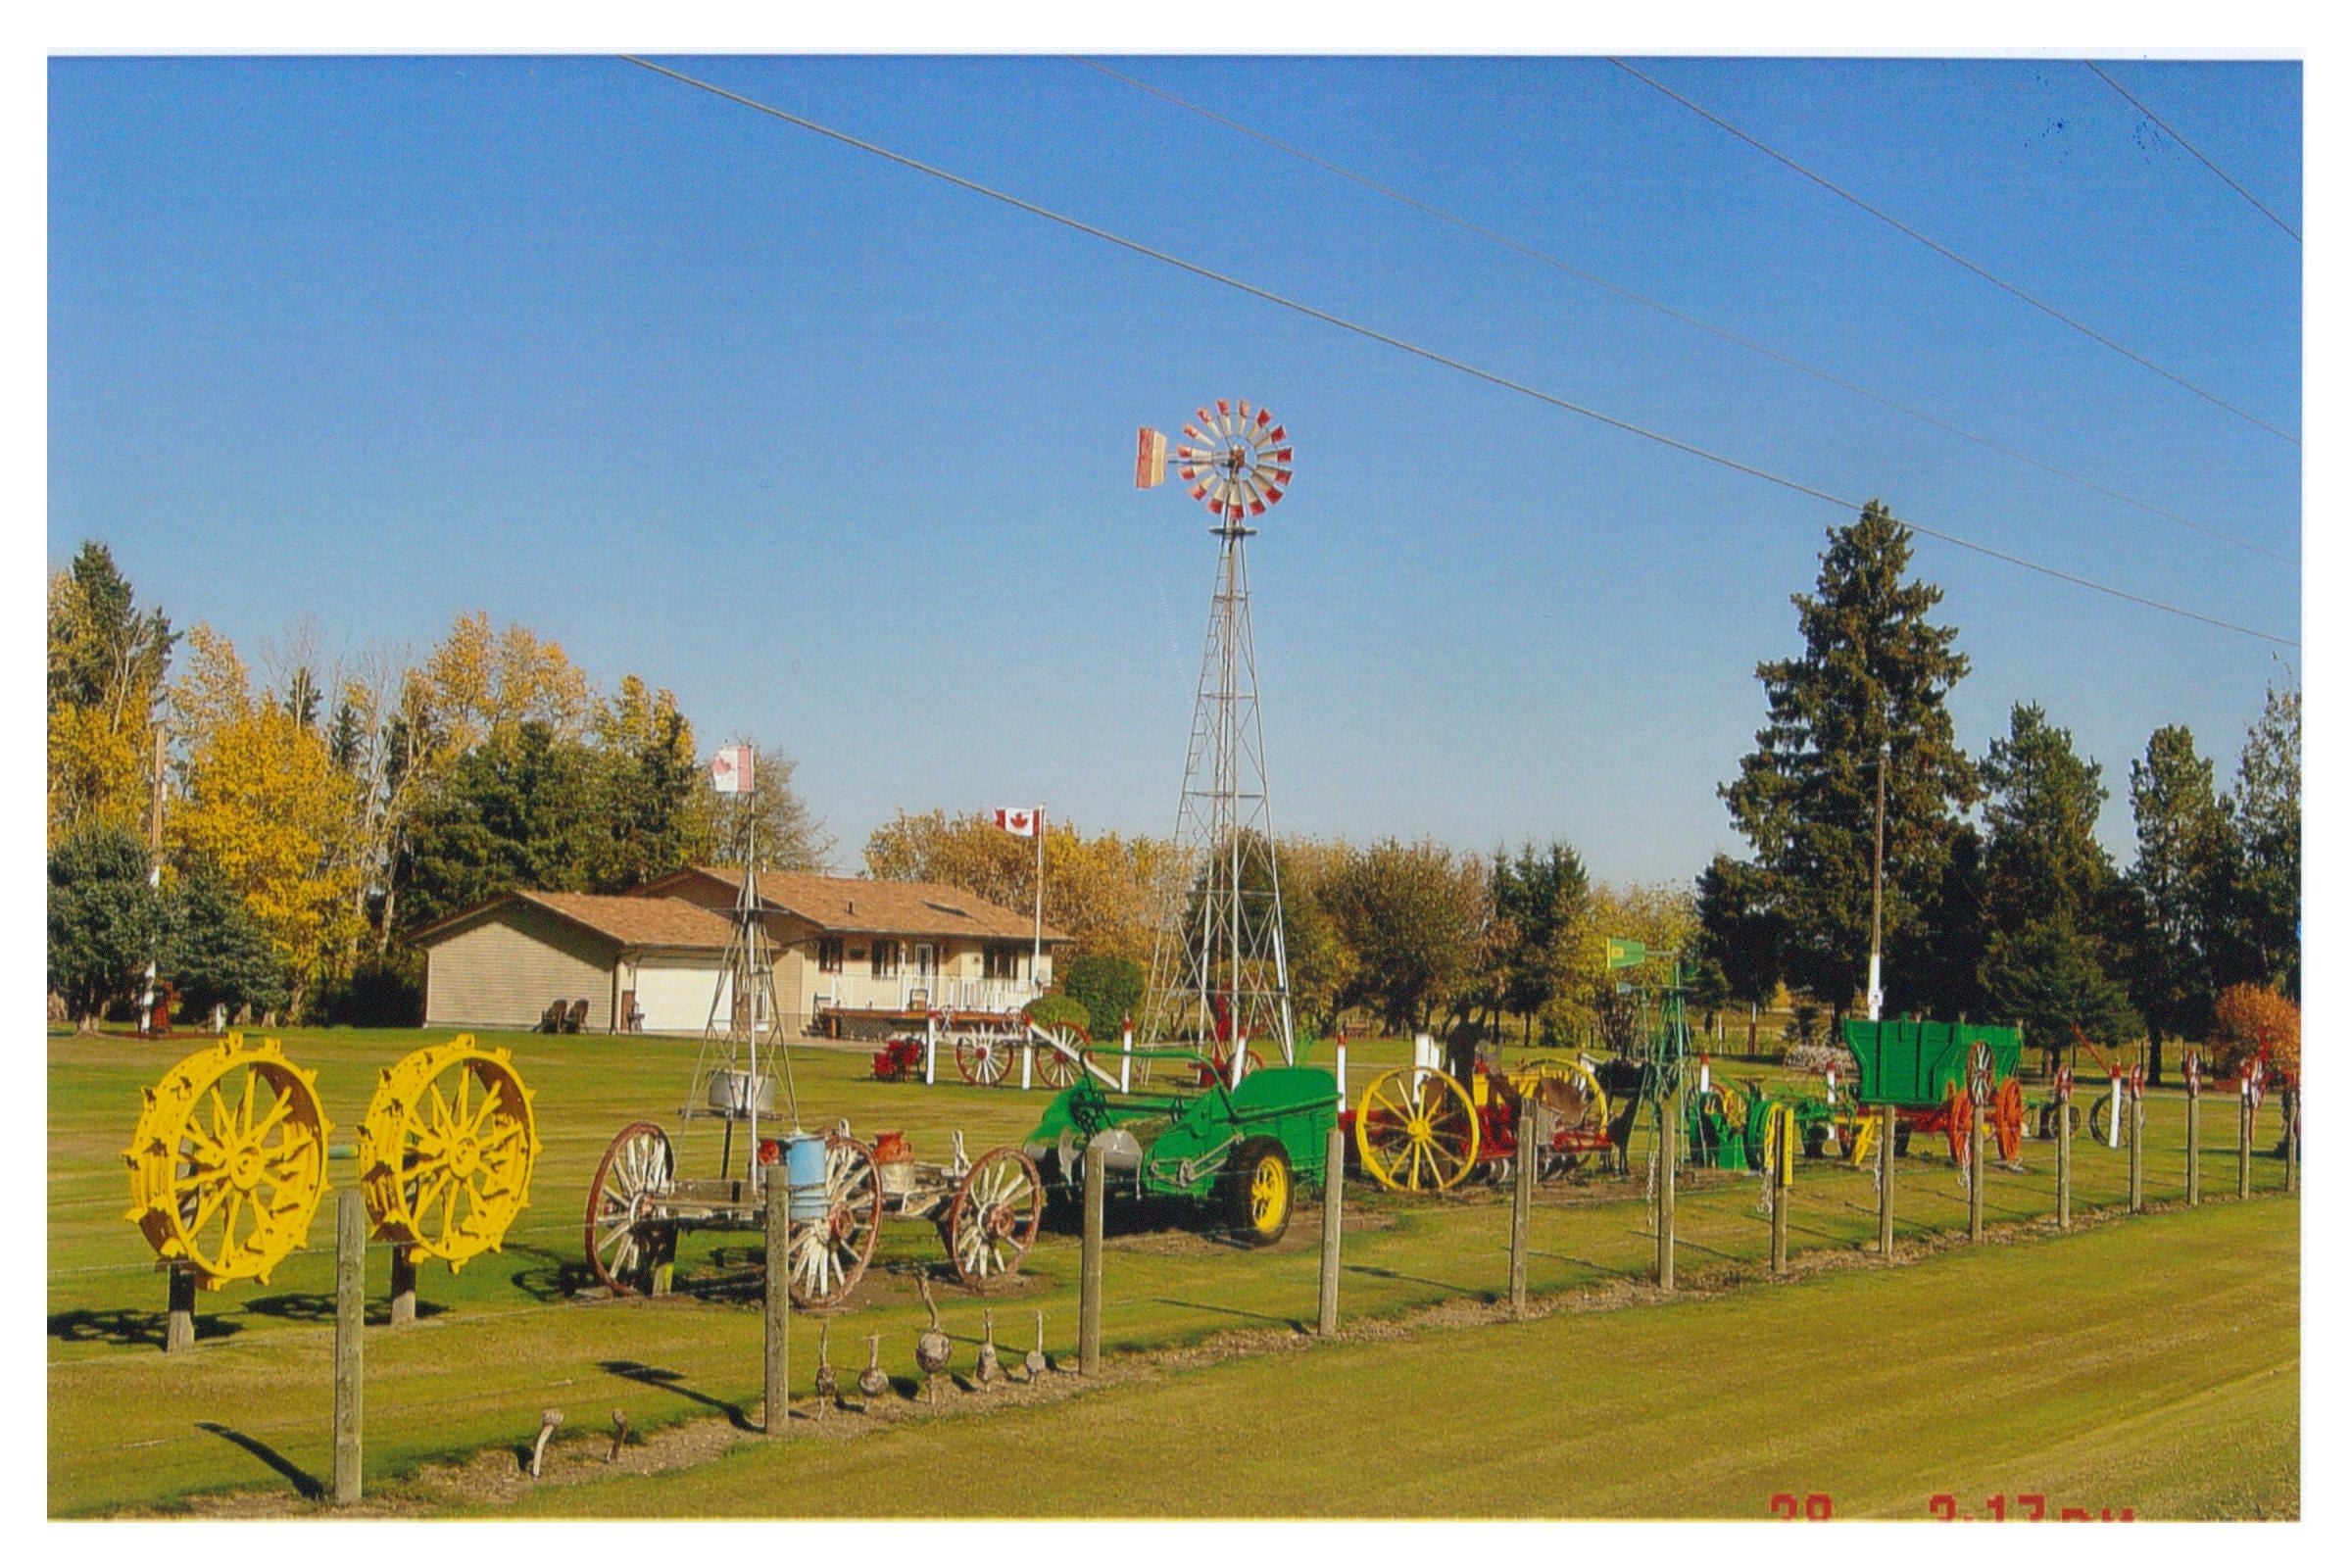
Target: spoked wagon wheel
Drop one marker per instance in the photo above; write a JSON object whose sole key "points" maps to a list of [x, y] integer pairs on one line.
{"points": [[1579, 1107], [1959, 1115], [829, 1253], [626, 1239], [1416, 1131], [993, 1217], [983, 1059], [1061, 1054], [1218, 1068], [446, 1151], [228, 1162], [2007, 1120]]}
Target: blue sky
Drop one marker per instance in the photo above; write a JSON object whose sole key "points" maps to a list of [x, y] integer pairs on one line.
{"points": [[842, 454]]}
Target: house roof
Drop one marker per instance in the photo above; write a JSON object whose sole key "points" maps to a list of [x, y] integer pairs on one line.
{"points": [[631, 921], [886, 909]]}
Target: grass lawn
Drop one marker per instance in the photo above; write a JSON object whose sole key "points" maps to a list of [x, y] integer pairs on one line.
{"points": [[2151, 1366], [248, 1406]]}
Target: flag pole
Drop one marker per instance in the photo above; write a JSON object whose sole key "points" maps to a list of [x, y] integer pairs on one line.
{"points": [[1038, 917]]}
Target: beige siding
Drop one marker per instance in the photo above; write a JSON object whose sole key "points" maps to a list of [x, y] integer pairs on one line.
{"points": [[502, 971]]}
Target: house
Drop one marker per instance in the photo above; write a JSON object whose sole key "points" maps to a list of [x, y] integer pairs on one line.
{"points": [[852, 955], [852, 951]]}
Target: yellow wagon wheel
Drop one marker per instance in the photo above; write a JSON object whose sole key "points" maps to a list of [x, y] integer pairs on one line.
{"points": [[446, 1151], [228, 1162], [1571, 1093], [1416, 1129]]}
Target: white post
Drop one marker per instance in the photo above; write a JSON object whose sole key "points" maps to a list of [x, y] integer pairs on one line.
{"points": [[1343, 1071], [930, 1047], [1028, 1057], [1037, 937], [1241, 1045], [1126, 1051]]}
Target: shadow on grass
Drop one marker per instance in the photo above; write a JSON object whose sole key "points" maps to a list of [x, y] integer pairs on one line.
{"points": [[117, 1325], [303, 1483], [1448, 1286], [1296, 1325], [668, 1382], [318, 1306]]}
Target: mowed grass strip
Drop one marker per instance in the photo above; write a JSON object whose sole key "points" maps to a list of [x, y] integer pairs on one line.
{"points": [[248, 1407], [2151, 1367]]}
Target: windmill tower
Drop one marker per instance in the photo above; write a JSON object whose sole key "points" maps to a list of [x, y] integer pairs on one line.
{"points": [[730, 1081], [1220, 973]]}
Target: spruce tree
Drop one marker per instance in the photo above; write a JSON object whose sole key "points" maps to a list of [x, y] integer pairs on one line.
{"points": [[1875, 672], [2043, 860]]}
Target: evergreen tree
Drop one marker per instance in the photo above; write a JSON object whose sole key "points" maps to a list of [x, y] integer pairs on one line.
{"points": [[2049, 977], [2043, 860], [1873, 678], [1741, 937], [2181, 882], [2266, 806], [515, 812], [217, 951], [102, 919], [1541, 899]]}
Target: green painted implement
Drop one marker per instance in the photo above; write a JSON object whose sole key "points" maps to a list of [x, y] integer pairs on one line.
{"points": [[1244, 1147], [1921, 1068]]}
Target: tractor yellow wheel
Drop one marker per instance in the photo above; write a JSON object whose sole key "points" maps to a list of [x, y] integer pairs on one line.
{"points": [[446, 1151], [1262, 1192], [228, 1162], [1416, 1131]]}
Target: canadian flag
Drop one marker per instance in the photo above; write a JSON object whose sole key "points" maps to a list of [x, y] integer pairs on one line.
{"points": [[1021, 820], [731, 771]]}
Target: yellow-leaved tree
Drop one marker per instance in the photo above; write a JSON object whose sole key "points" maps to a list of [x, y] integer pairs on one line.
{"points": [[266, 807]]}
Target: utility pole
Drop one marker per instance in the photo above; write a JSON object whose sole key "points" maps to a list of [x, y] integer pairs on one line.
{"points": [[1878, 879]]}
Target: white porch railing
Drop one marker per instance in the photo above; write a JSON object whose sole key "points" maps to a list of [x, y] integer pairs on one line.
{"points": [[913, 993]]}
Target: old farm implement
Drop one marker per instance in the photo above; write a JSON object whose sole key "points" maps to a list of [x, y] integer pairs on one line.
{"points": [[1420, 1129], [1243, 1147], [839, 1188], [1935, 1075]]}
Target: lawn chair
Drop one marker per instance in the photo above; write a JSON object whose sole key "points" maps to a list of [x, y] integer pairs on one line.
{"points": [[576, 1017], [552, 1020]]}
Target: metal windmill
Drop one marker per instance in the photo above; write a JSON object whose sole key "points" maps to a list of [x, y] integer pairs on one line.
{"points": [[1219, 972], [730, 1080]]}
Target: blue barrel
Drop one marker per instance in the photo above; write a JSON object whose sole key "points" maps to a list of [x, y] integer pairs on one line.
{"points": [[805, 1175]]}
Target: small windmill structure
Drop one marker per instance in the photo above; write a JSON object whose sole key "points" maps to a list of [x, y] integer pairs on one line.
{"points": [[1219, 972], [730, 1079]]}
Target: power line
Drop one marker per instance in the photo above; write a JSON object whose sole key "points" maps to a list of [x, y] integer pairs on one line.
{"points": [[1684, 317], [1431, 355], [1951, 255], [2251, 199]]}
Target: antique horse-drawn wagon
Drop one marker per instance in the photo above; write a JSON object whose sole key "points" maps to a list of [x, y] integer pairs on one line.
{"points": [[1935, 1075]]}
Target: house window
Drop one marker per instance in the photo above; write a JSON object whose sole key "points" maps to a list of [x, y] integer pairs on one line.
{"points": [[1002, 962], [828, 955], [886, 959]]}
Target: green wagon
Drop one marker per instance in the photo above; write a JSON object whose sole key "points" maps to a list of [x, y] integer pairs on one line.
{"points": [[1243, 1148], [1921, 1068]]}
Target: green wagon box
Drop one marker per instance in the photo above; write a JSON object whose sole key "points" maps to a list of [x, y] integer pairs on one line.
{"points": [[1920, 1068]]}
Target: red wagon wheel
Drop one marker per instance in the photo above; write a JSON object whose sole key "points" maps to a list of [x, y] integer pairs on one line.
{"points": [[1959, 1115], [1060, 1062], [625, 1238], [993, 1219], [2007, 1118], [983, 1059]]}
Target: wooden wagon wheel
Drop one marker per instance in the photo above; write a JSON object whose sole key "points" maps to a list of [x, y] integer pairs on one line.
{"points": [[1959, 1115], [1061, 1061], [992, 1219], [626, 1239], [228, 1162], [2007, 1118], [1579, 1107], [829, 1254], [982, 1059], [1416, 1131]]}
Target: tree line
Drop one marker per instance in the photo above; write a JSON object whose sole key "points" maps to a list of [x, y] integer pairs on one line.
{"points": [[313, 816]]}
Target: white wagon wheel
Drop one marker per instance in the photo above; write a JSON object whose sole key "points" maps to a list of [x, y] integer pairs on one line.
{"points": [[1061, 1054], [625, 1238], [993, 1219], [829, 1254], [982, 1059]]}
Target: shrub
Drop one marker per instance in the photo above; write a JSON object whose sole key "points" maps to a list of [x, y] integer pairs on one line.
{"points": [[1108, 987], [382, 993], [1057, 1011], [2246, 1019]]}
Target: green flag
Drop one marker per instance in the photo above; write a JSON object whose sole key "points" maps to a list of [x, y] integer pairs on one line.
{"points": [[1625, 953]]}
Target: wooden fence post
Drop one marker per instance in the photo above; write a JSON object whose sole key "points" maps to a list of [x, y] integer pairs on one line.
{"points": [[2290, 1105], [179, 1321], [350, 1308], [1523, 1197], [1670, 1115], [2245, 1136], [2137, 1131], [1886, 1183], [2066, 1149], [1779, 1170], [775, 1416], [1090, 1270], [2195, 1081], [1975, 1172], [1334, 1170], [404, 1286]]}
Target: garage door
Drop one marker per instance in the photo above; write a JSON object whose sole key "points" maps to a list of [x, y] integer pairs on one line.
{"points": [[677, 1001]]}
